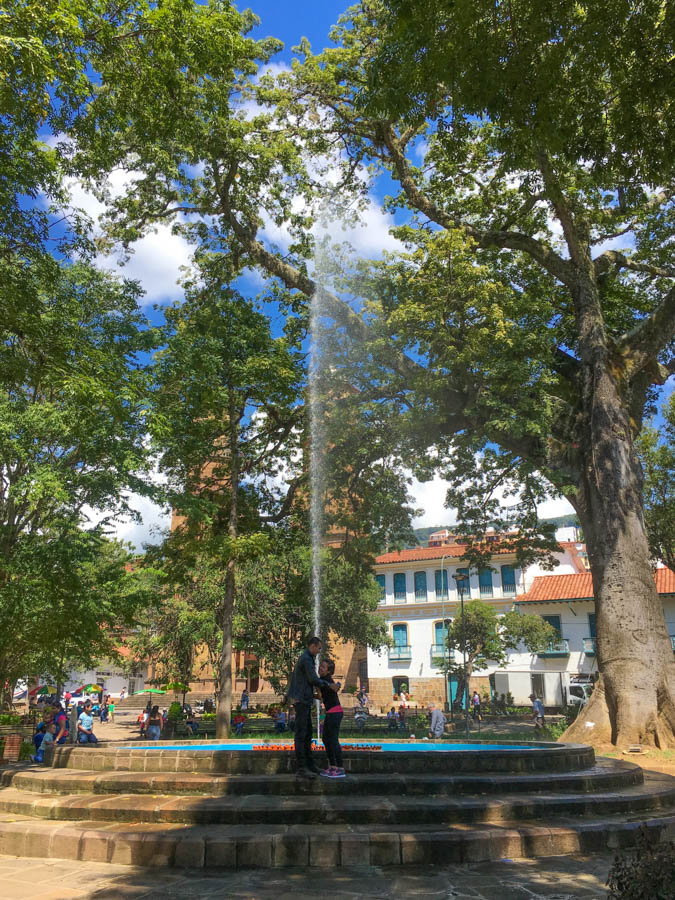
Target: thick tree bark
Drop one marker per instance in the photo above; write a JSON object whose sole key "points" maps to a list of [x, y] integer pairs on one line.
{"points": [[635, 699], [224, 698]]}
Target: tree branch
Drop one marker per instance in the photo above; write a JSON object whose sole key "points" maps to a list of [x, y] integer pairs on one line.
{"points": [[614, 259], [642, 344], [512, 240]]}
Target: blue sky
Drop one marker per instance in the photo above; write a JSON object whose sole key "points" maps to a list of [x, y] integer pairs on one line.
{"points": [[289, 21], [157, 257]]}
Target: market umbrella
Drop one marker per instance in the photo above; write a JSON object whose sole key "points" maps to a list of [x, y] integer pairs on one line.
{"points": [[42, 689], [177, 686], [92, 688], [148, 691]]}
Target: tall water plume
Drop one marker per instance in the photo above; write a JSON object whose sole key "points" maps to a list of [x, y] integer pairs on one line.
{"points": [[316, 450]]}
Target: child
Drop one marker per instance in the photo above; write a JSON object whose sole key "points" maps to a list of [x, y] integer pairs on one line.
{"points": [[331, 726], [392, 720], [85, 725], [47, 739], [239, 724], [111, 710]]}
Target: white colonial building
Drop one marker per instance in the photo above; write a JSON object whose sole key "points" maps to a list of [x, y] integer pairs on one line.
{"points": [[421, 591]]}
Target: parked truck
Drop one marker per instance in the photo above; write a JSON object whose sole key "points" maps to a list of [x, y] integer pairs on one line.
{"points": [[555, 689]]}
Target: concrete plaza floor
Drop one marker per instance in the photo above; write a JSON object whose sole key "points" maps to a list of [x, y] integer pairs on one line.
{"points": [[554, 878]]}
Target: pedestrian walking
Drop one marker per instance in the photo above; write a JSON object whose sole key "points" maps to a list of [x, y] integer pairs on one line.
{"points": [[538, 710], [154, 727], [475, 707]]}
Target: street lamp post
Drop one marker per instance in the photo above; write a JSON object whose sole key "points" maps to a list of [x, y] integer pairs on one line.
{"points": [[459, 580], [444, 632]]}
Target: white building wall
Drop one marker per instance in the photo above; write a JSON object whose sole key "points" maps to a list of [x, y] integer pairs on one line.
{"points": [[420, 616]]}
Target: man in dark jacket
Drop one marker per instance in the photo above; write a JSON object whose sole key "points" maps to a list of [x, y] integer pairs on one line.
{"points": [[301, 693]]}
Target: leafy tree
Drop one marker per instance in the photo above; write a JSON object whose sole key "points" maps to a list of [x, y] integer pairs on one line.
{"points": [[71, 599], [657, 454], [72, 430], [275, 614], [534, 313], [522, 334], [224, 419], [487, 637]]}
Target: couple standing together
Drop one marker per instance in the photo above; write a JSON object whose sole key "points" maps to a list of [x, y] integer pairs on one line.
{"points": [[301, 693]]}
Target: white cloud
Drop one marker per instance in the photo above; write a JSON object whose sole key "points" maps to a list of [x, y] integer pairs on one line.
{"points": [[157, 258], [155, 521], [430, 497]]}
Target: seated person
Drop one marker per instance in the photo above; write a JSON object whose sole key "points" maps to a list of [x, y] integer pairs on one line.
{"points": [[239, 724], [47, 739], [392, 720], [280, 721], [360, 719], [191, 725], [39, 735], [85, 726]]}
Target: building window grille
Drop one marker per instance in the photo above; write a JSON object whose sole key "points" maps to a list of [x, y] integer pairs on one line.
{"points": [[441, 586], [399, 587], [420, 586], [508, 581], [485, 582], [380, 581]]}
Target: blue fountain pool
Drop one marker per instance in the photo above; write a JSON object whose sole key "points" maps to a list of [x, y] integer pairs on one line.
{"points": [[366, 745]]}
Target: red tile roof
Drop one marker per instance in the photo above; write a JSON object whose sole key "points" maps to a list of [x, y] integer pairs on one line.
{"points": [[580, 587], [422, 553]]}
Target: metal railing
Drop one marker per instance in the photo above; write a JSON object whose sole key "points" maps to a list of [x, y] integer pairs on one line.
{"points": [[556, 648], [486, 590], [509, 590], [589, 646], [400, 653], [672, 641]]}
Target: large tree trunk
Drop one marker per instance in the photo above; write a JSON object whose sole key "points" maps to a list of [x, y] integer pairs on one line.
{"points": [[224, 699], [634, 700]]}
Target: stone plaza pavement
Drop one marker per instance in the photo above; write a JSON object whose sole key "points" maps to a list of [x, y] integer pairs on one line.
{"points": [[573, 877]]}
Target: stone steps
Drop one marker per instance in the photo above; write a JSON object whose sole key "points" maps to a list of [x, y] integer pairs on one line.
{"points": [[604, 775], [657, 793], [317, 845]]}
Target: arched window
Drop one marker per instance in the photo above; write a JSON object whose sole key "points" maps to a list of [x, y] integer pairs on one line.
{"points": [[420, 586], [401, 651], [441, 631], [399, 587], [400, 634]]}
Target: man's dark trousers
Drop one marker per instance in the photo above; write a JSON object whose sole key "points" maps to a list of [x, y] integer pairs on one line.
{"points": [[303, 736]]}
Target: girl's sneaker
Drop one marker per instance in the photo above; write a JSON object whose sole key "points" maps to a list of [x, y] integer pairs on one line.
{"points": [[337, 772], [327, 773]]}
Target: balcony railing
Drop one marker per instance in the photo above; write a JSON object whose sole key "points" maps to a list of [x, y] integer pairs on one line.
{"points": [[439, 652], [421, 596], [672, 641], [486, 590], [589, 646], [400, 596], [400, 653], [509, 590], [556, 648]]}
